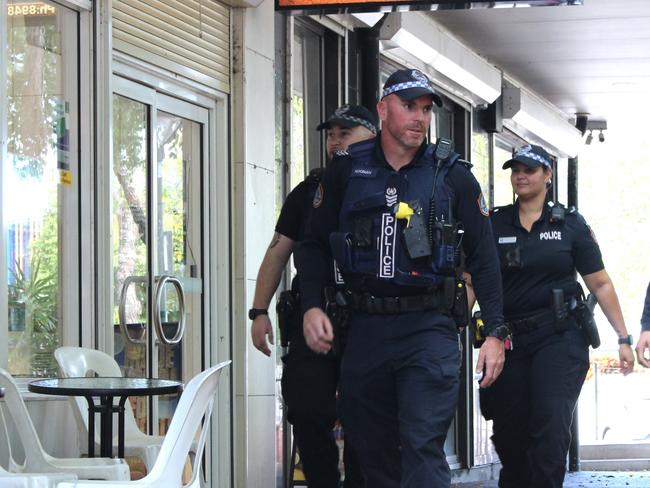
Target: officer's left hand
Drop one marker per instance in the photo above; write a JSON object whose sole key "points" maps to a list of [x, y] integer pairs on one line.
{"points": [[642, 347], [491, 357], [318, 331], [626, 355]]}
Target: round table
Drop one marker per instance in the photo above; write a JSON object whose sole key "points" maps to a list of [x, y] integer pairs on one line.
{"points": [[106, 389]]}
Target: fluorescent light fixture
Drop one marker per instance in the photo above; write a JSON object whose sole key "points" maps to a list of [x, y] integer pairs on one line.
{"points": [[369, 18], [422, 37], [541, 120]]}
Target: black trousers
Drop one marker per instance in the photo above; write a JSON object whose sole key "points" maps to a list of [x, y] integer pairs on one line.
{"points": [[532, 403], [399, 384], [309, 385]]}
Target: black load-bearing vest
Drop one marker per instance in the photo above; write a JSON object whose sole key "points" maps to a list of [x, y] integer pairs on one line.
{"points": [[369, 241]]}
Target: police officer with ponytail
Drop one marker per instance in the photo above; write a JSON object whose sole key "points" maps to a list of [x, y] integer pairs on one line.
{"points": [[395, 214], [541, 245]]}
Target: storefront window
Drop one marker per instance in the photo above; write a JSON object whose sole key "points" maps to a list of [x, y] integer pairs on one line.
{"points": [[306, 101], [503, 194], [38, 174]]}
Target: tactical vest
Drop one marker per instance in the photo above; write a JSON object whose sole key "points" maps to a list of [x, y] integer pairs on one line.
{"points": [[370, 240]]}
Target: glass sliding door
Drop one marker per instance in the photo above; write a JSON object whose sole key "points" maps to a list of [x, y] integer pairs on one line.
{"points": [[157, 230], [40, 174]]}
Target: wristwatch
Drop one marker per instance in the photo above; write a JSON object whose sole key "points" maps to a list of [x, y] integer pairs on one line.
{"points": [[501, 332], [625, 340], [253, 313]]}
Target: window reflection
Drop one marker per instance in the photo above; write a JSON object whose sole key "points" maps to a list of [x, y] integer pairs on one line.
{"points": [[35, 174]]}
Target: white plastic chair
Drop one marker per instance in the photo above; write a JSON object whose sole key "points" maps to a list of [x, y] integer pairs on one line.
{"points": [[192, 414], [81, 362], [12, 480], [39, 461]]}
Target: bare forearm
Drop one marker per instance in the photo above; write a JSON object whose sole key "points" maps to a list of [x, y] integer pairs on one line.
{"points": [[601, 285], [270, 272]]}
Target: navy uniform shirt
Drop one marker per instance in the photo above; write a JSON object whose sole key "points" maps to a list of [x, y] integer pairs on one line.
{"points": [[536, 262], [645, 318], [314, 255], [295, 211]]}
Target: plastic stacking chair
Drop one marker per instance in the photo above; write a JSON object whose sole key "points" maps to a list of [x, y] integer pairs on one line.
{"points": [[39, 461], [12, 480], [192, 415], [80, 362]]}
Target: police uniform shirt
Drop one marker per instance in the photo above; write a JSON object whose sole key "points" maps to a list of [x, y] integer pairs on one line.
{"points": [[481, 260], [536, 262], [295, 212]]}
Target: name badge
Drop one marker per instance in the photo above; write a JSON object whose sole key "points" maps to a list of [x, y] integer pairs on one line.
{"points": [[364, 173], [508, 240]]}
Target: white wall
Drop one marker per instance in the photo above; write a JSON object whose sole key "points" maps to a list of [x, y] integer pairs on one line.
{"points": [[253, 132]]}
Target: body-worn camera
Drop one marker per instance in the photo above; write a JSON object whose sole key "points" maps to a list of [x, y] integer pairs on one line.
{"points": [[511, 255]]}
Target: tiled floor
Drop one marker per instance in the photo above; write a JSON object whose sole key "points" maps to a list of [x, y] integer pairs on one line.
{"points": [[587, 479]]}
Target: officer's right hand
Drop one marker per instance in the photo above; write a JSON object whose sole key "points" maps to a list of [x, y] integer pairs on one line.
{"points": [[642, 347], [260, 328], [491, 358], [318, 331]]}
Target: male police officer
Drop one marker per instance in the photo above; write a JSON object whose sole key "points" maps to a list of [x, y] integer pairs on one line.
{"points": [[394, 213], [309, 381]]}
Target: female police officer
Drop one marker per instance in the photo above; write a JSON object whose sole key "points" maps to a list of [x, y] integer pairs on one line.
{"points": [[540, 246]]}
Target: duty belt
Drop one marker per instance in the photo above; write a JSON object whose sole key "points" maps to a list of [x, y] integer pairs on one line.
{"points": [[543, 319], [365, 302]]}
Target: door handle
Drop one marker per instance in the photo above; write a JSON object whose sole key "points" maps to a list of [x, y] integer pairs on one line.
{"points": [[122, 309], [181, 310]]}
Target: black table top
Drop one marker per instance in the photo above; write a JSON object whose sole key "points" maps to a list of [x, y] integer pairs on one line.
{"points": [[105, 386]]}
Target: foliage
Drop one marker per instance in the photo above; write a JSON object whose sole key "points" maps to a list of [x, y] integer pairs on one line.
{"points": [[36, 291]]}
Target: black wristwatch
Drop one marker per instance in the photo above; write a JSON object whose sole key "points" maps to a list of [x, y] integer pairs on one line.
{"points": [[625, 340], [501, 332], [253, 313]]}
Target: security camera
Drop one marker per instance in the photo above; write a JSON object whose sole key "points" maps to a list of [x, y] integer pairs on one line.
{"points": [[601, 136]]}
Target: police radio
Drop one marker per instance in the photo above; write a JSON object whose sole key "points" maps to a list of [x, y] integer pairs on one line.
{"points": [[443, 150]]}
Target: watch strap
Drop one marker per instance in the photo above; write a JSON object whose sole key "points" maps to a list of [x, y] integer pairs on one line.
{"points": [[253, 313], [625, 340]]}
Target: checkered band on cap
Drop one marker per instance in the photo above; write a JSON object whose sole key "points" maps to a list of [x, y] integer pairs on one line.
{"points": [[359, 121], [527, 152], [405, 86]]}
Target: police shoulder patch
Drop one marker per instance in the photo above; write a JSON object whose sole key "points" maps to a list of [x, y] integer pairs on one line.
{"points": [[482, 205], [318, 196]]}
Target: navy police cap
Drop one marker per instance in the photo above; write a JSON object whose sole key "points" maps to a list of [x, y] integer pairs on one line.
{"points": [[531, 155], [350, 116], [410, 84]]}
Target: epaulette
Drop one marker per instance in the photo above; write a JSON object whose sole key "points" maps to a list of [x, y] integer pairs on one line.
{"points": [[362, 150], [465, 163], [315, 175], [501, 207]]}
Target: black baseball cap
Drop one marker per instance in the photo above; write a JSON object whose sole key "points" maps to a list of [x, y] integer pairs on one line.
{"points": [[350, 116], [410, 84], [530, 155]]}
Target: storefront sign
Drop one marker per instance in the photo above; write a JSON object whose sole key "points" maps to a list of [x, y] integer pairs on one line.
{"points": [[366, 5], [30, 9]]}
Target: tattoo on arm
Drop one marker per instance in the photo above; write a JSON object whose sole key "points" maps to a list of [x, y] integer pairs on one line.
{"points": [[275, 241]]}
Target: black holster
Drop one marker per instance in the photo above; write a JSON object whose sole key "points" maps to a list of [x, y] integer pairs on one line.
{"points": [[584, 315], [289, 316], [459, 306], [337, 308]]}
